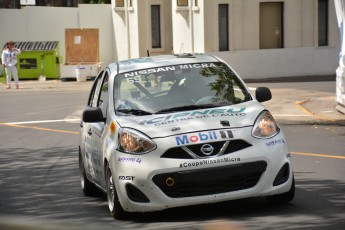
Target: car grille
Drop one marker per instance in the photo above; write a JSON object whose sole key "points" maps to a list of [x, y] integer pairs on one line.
{"points": [[194, 151], [210, 181]]}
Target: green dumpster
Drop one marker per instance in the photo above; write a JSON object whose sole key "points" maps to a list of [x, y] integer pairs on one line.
{"points": [[38, 59]]}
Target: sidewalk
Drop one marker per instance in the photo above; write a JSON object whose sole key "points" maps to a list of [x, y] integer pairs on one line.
{"points": [[290, 105], [286, 104], [324, 108], [48, 85]]}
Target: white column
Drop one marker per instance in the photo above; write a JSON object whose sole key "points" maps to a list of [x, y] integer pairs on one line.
{"points": [[340, 81]]}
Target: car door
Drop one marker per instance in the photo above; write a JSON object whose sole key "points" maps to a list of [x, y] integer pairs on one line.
{"points": [[90, 137], [98, 130]]}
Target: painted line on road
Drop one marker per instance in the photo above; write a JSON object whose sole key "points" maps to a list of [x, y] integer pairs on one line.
{"points": [[44, 121], [318, 155], [39, 128], [301, 107]]}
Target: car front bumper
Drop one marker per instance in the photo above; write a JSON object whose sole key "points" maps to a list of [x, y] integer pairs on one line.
{"points": [[152, 182]]}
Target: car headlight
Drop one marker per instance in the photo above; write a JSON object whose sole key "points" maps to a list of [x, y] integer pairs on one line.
{"points": [[265, 126], [134, 142]]}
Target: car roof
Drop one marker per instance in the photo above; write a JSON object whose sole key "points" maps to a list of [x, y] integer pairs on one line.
{"points": [[160, 60]]}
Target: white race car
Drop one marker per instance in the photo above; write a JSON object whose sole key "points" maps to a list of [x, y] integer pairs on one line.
{"points": [[176, 130]]}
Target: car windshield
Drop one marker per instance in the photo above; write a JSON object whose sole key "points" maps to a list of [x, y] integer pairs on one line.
{"points": [[183, 87]]}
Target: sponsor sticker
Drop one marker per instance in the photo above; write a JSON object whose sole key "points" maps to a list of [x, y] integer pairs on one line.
{"points": [[126, 177], [209, 162], [129, 159], [190, 115], [275, 142], [203, 137]]}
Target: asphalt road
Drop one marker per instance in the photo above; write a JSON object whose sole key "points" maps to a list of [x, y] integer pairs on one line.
{"points": [[39, 177]]}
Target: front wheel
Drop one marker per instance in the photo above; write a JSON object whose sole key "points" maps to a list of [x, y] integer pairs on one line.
{"points": [[114, 205], [283, 198]]}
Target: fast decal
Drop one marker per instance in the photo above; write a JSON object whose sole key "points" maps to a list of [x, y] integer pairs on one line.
{"points": [[275, 142], [209, 162], [129, 159], [185, 116], [203, 137], [126, 177]]}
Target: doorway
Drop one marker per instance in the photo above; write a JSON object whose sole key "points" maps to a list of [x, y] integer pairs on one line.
{"points": [[271, 25]]}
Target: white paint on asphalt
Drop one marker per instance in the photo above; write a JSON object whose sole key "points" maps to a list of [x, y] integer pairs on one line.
{"points": [[44, 121]]}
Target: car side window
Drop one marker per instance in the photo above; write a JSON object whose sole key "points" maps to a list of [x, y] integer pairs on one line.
{"points": [[93, 99], [104, 95]]}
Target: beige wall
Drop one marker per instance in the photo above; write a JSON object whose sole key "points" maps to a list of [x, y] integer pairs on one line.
{"points": [[300, 57], [300, 24], [100, 17], [289, 62], [49, 24], [182, 31], [132, 28], [120, 33], [126, 34]]}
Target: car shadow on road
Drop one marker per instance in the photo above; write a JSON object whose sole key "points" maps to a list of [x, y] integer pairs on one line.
{"points": [[309, 210]]}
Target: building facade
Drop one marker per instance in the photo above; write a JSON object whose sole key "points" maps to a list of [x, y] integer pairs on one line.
{"points": [[259, 38], [17, 4]]}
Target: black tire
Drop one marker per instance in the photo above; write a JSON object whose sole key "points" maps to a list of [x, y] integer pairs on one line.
{"points": [[115, 208], [283, 198], [88, 188]]}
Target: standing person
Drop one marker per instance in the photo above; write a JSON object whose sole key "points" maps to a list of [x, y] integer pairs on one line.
{"points": [[9, 62]]}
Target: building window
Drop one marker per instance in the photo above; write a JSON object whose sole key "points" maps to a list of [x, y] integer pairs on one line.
{"points": [[120, 3], [196, 3], [223, 29], [323, 22], [182, 2], [156, 26]]}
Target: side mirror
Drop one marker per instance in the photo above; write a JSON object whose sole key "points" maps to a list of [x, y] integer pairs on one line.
{"points": [[263, 94], [92, 115]]}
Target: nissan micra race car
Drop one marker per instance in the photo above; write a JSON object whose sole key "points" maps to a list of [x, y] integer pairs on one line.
{"points": [[176, 130]]}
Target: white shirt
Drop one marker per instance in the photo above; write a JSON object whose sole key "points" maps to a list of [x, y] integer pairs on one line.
{"points": [[9, 57]]}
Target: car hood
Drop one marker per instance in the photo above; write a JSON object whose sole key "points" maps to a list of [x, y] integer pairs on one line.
{"points": [[162, 125]]}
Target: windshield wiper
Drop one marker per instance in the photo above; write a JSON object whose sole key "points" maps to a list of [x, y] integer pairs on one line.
{"points": [[187, 107], [134, 112]]}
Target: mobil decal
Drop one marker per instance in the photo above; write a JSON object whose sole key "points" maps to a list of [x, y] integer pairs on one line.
{"points": [[195, 138], [203, 137]]}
